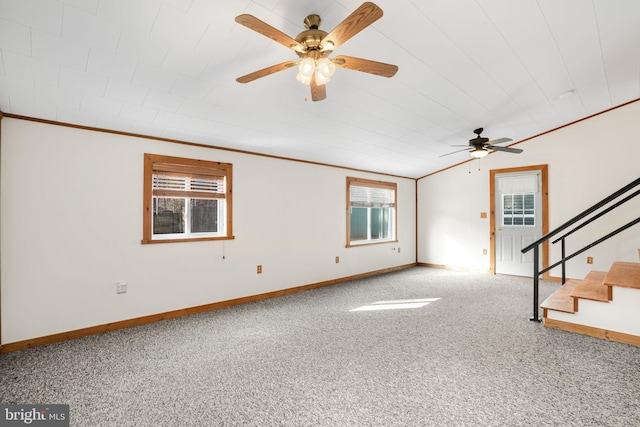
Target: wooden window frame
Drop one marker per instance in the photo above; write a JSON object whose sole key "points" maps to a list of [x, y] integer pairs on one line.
{"points": [[156, 162], [374, 184]]}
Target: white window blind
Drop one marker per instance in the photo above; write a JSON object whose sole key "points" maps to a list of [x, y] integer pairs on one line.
{"points": [[518, 184], [179, 185], [371, 197]]}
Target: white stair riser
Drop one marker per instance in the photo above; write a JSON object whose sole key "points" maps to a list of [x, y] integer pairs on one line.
{"points": [[622, 314]]}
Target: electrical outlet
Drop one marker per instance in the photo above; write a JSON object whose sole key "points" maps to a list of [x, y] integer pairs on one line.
{"points": [[589, 260], [484, 252], [259, 269], [121, 287], [337, 259]]}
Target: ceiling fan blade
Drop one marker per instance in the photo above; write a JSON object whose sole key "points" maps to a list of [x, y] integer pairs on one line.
{"points": [[366, 66], [457, 151], [265, 29], [500, 141], [505, 149], [318, 92], [360, 19], [266, 71]]}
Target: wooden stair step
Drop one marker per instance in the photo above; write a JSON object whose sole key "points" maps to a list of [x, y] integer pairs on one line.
{"points": [[593, 288], [624, 274], [561, 299]]}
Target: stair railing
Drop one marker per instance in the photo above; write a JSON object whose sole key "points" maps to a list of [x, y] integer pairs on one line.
{"points": [[590, 213]]}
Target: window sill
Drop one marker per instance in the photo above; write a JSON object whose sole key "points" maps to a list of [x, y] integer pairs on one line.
{"points": [[355, 245], [194, 239]]}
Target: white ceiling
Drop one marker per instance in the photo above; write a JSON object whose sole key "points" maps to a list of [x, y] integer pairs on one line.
{"points": [[167, 68]]}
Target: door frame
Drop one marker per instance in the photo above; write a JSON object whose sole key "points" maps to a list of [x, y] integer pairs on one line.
{"points": [[544, 175]]}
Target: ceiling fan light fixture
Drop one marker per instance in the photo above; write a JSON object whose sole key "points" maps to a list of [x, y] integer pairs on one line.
{"points": [[324, 70], [478, 153], [305, 70]]}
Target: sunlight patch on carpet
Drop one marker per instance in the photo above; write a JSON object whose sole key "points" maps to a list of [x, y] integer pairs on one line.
{"points": [[396, 304]]}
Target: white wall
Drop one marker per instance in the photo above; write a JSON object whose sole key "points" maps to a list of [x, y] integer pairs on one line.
{"points": [[587, 161], [72, 225]]}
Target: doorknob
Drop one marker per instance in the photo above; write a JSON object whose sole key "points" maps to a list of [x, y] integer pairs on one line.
{"points": [[498, 228]]}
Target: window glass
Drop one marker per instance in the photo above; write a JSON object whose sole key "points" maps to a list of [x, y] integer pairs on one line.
{"points": [[204, 216], [518, 209], [359, 223], [168, 215]]}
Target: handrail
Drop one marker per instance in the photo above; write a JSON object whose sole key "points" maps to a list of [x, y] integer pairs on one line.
{"points": [[582, 215], [590, 245], [536, 245]]}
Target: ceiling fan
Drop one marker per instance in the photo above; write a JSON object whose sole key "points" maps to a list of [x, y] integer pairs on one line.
{"points": [[479, 147], [314, 46]]}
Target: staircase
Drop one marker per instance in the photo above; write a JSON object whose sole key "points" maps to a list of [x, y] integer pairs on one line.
{"points": [[605, 304]]}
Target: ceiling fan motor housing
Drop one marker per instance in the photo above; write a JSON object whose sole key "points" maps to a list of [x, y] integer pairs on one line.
{"points": [[311, 37], [478, 141]]}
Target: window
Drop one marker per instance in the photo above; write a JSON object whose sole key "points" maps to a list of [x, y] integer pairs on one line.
{"points": [[186, 199], [519, 209], [371, 207]]}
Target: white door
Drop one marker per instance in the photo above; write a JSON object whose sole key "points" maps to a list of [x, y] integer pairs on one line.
{"points": [[518, 217]]}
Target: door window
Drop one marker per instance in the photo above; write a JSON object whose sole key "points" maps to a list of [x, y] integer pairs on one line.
{"points": [[519, 209]]}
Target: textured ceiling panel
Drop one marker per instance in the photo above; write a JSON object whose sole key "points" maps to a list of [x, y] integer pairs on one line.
{"points": [[167, 68]]}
